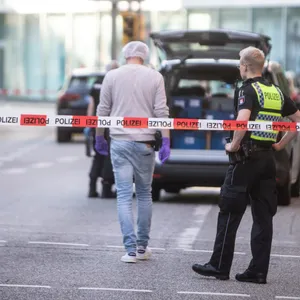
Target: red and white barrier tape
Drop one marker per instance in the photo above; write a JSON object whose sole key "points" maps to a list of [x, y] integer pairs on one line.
{"points": [[28, 92], [151, 123]]}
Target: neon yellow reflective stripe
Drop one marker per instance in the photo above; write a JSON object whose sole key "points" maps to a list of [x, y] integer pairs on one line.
{"points": [[260, 138], [270, 114]]}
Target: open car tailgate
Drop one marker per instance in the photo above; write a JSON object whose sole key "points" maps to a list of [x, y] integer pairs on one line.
{"points": [[215, 44]]}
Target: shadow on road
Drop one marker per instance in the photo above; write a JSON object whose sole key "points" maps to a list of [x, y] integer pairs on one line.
{"points": [[197, 196]]}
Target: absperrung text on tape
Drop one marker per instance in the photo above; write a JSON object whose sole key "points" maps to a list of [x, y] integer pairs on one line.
{"points": [[42, 120]]}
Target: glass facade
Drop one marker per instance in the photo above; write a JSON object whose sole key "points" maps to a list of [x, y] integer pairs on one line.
{"points": [[38, 51]]}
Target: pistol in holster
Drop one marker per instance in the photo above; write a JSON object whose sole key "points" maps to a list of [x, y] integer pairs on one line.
{"points": [[158, 140], [241, 155]]}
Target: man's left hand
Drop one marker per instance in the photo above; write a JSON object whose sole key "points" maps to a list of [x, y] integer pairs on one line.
{"points": [[229, 148]]}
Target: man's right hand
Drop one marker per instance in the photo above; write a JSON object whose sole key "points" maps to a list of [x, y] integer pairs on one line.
{"points": [[101, 145]]}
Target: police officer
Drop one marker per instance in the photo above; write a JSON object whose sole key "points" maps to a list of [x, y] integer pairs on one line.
{"points": [[101, 165], [253, 176]]}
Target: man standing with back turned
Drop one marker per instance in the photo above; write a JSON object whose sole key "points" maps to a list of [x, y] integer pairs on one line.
{"points": [[253, 175], [133, 90]]}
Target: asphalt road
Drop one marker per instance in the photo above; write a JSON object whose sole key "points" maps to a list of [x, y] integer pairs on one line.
{"points": [[55, 243]]}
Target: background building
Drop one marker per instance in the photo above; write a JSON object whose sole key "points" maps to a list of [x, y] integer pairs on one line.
{"points": [[41, 41]]}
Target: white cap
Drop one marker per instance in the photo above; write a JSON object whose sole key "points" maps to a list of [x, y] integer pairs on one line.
{"points": [[136, 49]]}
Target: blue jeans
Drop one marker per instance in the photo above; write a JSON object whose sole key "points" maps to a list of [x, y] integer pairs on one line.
{"points": [[133, 160]]}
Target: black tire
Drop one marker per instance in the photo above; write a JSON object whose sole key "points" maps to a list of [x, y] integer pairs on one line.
{"points": [[173, 190], [295, 188], [155, 193], [284, 194], [63, 136]]}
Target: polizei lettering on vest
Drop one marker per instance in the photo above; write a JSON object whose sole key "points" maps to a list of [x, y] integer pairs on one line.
{"points": [[129, 123], [9, 120], [272, 96], [63, 121], [35, 121], [157, 124]]}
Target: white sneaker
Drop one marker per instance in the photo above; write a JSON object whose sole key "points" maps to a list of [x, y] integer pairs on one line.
{"points": [[142, 253], [129, 257]]}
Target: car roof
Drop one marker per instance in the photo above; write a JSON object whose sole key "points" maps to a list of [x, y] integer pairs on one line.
{"points": [[87, 72]]}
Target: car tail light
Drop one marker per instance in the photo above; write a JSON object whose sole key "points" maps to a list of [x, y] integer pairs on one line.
{"points": [[156, 176], [69, 97]]}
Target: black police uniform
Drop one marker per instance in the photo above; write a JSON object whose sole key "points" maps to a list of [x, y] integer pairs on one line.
{"points": [[101, 166], [252, 180]]}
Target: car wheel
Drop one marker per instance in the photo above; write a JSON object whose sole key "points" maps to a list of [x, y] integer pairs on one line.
{"points": [[155, 193], [173, 191], [284, 194], [295, 188], [63, 136]]}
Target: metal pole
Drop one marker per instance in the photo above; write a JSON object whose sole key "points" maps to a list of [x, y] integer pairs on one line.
{"points": [[114, 14]]}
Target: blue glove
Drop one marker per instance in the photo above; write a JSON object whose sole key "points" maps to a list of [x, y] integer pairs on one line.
{"points": [[101, 145], [164, 151], [86, 131]]}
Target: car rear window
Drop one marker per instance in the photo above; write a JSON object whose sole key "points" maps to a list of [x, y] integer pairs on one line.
{"points": [[79, 82], [201, 99]]}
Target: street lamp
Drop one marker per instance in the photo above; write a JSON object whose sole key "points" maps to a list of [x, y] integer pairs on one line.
{"points": [[136, 5]]}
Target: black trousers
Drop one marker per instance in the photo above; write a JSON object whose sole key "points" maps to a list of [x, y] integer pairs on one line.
{"points": [[101, 165], [254, 181]]}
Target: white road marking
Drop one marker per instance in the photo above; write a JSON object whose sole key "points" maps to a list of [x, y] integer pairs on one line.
{"points": [[68, 159], [14, 171], [215, 294], [115, 290], [287, 297], [62, 244], [122, 247], [22, 151], [42, 165], [187, 238], [285, 256], [209, 251], [1, 241], [25, 286]]}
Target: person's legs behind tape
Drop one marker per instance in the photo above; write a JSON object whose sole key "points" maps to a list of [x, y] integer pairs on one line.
{"points": [[95, 172], [107, 173]]}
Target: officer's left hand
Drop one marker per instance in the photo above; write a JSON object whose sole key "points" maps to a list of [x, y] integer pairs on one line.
{"points": [[230, 148]]}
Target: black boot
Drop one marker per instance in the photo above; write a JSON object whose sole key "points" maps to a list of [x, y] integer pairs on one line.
{"points": [[107, 192], [93, 189], [249, 276], [209, 270]]}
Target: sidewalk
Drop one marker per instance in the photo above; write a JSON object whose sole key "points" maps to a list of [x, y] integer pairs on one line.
{"points": [[20, 107]]}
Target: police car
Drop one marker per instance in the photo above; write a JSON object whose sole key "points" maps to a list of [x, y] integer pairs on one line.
{"points": [[200, 72], [74, 98]]}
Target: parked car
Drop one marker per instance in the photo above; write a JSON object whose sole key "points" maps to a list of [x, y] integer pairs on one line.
{"points": [[200, 72], [73, 99]]}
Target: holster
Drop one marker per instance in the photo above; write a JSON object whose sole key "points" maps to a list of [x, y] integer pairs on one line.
{"points": [[241, 155]]}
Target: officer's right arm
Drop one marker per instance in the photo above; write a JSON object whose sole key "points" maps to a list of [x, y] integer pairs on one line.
{"points": [[290, 111]]}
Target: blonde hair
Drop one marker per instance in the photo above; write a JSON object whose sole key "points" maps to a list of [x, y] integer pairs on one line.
{"points": [[253, 58]]}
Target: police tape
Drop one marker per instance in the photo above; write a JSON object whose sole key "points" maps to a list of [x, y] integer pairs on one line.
{"points": [[37, 120]]}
